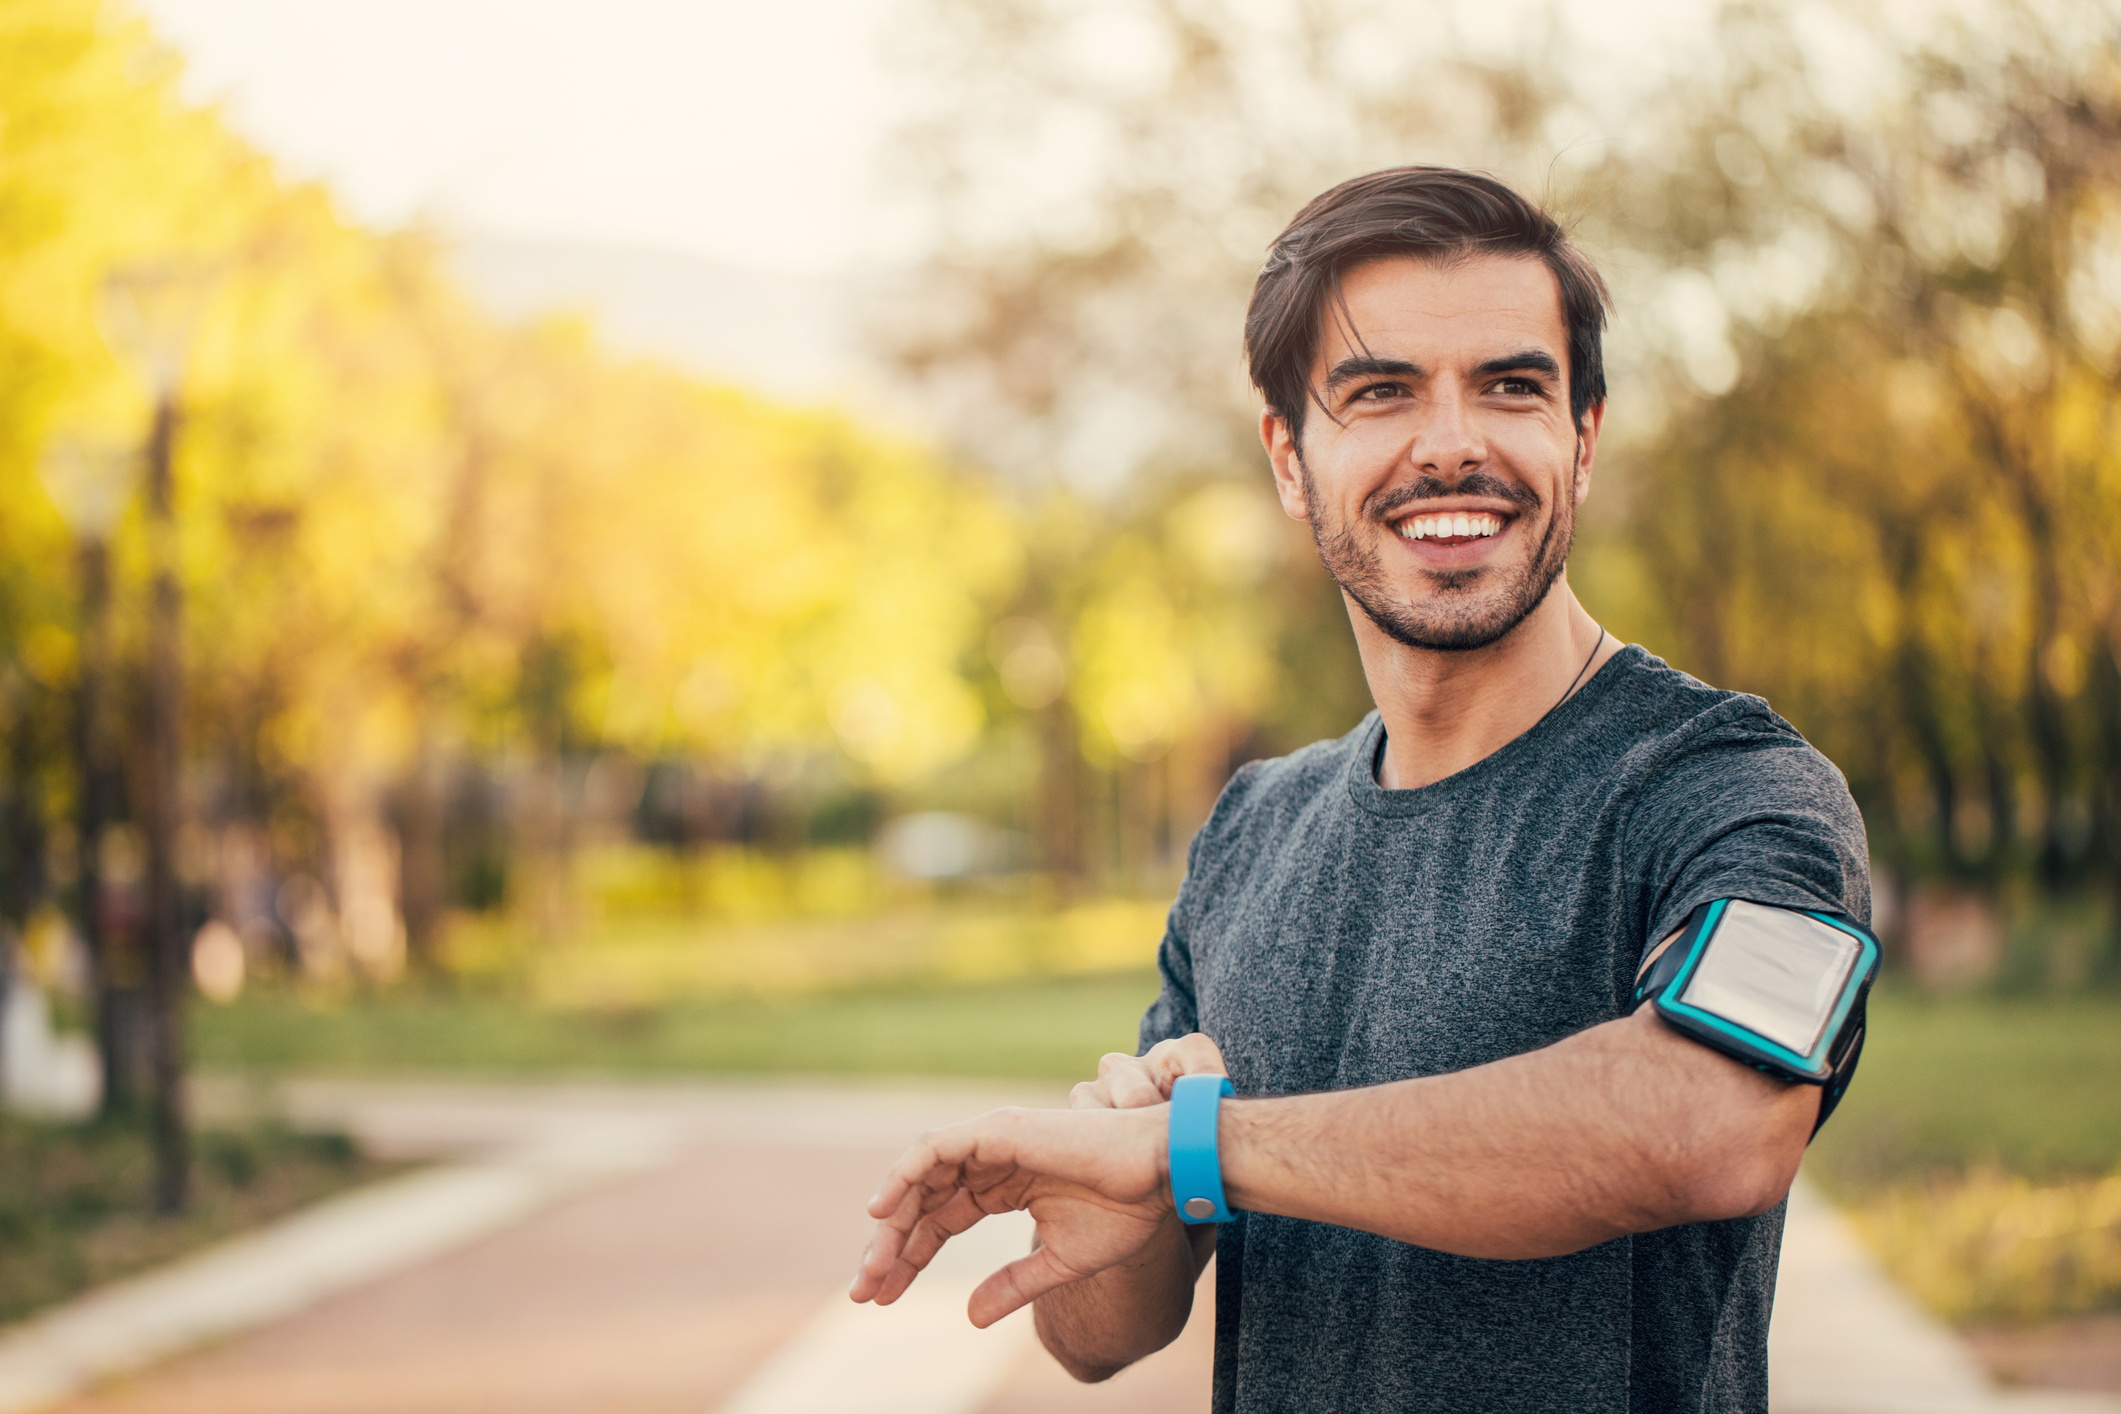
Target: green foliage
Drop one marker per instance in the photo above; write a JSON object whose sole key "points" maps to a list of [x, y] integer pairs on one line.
{"points": [[1860, 455], [1889, 497]]}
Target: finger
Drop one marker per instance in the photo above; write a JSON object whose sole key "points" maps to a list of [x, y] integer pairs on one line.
{"points": [[887, 1241], [885, 1244], [1194, 1054], [1090, 1095], [938, 1227], [1128, 1081], [923, 1163], [927, 1240], [1017, 1285]]}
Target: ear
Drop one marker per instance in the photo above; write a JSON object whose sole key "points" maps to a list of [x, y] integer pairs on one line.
{"points": [[1282, 455], [1586, 450]]}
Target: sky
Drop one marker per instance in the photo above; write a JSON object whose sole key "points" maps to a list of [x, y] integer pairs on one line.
{"points": [[742, 132]]}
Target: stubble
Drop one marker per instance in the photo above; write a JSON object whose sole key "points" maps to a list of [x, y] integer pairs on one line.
{"points": [[1470, 608]]}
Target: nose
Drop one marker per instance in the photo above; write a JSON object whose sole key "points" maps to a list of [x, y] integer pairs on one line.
{"points": [[1447, 438]]}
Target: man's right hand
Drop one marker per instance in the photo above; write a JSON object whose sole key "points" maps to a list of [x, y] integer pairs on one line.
{"points": [[1127, 1082], [1097, 1326]]}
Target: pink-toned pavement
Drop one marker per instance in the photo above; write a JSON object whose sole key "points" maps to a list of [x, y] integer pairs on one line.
{"points": [[664, 1292], [669, 1290]]}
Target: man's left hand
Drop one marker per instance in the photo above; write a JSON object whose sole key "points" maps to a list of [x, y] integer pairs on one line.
{"points": [[1096, 1182]]}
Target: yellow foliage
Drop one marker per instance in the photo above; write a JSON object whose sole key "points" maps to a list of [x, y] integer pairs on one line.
{"points": [[1992, 1246], [398, 519]]}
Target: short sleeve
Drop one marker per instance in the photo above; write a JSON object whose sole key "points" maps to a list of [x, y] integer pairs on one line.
{"points": [[1746, 808], [1176, 1010]]}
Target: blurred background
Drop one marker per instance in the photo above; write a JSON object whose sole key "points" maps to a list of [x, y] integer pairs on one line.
{"points": [[544, 539]]}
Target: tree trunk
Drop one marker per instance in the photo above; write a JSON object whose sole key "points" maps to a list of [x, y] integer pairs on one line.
{"points": [[421, 866], [167, 942]]}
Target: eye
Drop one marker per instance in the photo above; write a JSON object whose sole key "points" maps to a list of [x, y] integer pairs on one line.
{"points": [[1520, 387], [1380, 392]]}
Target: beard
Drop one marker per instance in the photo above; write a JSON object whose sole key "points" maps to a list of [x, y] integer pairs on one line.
{"points": [[1470, 608]]}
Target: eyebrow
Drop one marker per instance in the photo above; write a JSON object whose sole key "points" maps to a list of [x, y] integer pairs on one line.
{"points": [[1367, 366], [1523, 361]]}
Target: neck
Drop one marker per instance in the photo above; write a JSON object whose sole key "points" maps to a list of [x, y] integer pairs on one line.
{"points": [[1443, 711]]}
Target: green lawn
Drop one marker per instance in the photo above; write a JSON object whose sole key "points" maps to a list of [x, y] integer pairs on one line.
{"points": [[2032, 1086], [1049, 1028], [2029, 1085], [1979, 1153]]}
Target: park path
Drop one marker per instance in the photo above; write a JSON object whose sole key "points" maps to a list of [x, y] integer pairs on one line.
{"points": [[639, 1249]]}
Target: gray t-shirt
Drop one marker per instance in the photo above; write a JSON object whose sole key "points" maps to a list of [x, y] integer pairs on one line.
{"points": [[1333, 934]]}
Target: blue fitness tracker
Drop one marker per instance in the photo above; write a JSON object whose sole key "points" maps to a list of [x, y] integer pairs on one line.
{"points": [[1196, 1167], [1781, 989]]}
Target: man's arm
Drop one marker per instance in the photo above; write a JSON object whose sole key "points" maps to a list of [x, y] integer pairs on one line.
{"points": [[1625, 1127]]}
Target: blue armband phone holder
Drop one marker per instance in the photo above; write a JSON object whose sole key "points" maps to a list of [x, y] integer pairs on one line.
{"points": [[1782, 990], [1196, 1166]]}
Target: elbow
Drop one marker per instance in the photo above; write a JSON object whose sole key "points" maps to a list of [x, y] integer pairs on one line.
{"points": [[1743, 1187], [1083, 1359], [1085, 1374], [1745, 1166], [1081, 1370]]}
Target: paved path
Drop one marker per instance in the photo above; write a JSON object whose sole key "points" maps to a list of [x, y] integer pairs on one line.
{"points": [[686, 1248]]}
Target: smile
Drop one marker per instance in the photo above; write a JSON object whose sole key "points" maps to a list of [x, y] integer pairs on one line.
{"points": [[1448, 525]]}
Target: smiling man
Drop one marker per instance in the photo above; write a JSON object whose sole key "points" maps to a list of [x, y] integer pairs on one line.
{"points": [[1465, 1167]]}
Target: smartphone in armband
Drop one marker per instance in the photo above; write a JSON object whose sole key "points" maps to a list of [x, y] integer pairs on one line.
{"points": [[1780, 989]]}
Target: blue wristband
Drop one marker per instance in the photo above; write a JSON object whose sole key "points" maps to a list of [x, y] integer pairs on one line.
{"points": [[1196, 1168]]}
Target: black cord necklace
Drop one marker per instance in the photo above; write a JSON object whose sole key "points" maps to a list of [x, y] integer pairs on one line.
{"points": [[1579, 674], [1377, 765]]}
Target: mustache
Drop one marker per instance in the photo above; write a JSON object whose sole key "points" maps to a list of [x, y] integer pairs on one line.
{"points": [[1431, 488]]}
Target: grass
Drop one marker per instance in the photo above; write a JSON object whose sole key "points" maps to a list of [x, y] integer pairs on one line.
{"points": [[645, 959], [1979, 1153], [74, 1199], [2029, 1085], [1024, 1029]]}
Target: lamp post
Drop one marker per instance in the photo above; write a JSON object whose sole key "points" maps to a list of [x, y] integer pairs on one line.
{"points": [[148, 312], [88, 481]]}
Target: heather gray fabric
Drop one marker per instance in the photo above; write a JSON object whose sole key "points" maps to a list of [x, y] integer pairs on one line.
{"points": [[1333, 934]]}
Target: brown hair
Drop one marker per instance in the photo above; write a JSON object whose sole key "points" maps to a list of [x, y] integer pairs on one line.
{"points": [[1435, 213]]}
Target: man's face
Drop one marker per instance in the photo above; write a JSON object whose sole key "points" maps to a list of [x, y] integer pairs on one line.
{"points": [[1442, 476]]}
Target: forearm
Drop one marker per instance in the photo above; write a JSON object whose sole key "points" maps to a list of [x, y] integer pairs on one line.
{"points": [[1623, 1128], [1098, 1326]]}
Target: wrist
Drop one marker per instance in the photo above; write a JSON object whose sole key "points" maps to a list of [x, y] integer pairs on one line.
{"points": [[1234, 1140]]}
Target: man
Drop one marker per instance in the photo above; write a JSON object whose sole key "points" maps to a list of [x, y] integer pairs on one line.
{"points": [[1465, 1171]]}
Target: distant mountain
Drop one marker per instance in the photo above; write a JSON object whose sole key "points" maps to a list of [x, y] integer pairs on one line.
{"points": [[785, 335]]}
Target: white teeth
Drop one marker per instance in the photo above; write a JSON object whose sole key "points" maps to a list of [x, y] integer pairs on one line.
{"points": [[1449, 527]]}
